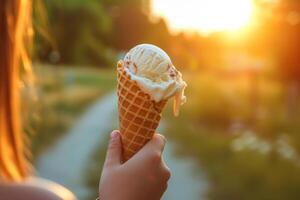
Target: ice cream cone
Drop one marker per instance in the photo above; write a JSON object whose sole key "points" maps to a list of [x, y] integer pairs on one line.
{"points": [[139, 116]]}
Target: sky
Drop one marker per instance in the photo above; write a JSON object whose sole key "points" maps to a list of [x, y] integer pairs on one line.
{"points": [[204, 16]]}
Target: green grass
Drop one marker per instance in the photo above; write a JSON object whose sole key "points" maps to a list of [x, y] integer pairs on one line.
{"points": [[63, 92], [218, 112]]}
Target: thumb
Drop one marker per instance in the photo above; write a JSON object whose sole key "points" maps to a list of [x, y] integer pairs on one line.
{"points": [[114, 150]]}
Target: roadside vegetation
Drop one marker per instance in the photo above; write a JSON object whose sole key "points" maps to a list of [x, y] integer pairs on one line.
{"points": [[249, 149], [62, 94]]}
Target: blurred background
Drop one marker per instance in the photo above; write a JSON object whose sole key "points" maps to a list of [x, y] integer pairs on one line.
{"points": [[237, 137]]}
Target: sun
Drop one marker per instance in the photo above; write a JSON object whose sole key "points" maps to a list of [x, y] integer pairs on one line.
{"points": [[205, 16]]}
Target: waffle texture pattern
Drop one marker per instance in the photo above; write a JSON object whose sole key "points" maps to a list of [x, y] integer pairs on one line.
{"points": [[139, 116]]}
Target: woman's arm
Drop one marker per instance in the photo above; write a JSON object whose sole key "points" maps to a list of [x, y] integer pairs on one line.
{"points": [[34, 189], [19, 192]]}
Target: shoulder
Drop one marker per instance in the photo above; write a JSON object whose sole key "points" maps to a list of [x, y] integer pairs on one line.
{"points": [[35, 189]]}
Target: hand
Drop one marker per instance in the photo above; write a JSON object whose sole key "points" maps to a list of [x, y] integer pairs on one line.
{"points": [[144, 176]]}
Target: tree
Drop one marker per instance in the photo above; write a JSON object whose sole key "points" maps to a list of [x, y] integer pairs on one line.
{"points": [[80, 30]]}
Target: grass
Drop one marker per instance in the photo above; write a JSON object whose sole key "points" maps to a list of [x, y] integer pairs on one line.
{"points": [[63, 93], [219, 112]]}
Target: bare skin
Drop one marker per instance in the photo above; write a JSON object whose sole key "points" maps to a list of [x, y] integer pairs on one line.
{"points": [[145, 176], [35, 189]]}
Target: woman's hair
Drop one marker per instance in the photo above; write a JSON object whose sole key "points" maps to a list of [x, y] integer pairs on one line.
{"points": [[15, 31]]}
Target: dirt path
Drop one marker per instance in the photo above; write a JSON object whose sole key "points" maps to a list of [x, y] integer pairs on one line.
{"points": [[66, 161]]}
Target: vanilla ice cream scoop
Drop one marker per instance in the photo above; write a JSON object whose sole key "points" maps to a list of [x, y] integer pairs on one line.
{"points": [[155, 74]]}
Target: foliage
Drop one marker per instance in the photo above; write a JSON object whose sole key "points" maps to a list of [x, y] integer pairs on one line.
{"points": [[219, 113], [93, 32], [80, 29], [63, 94]]}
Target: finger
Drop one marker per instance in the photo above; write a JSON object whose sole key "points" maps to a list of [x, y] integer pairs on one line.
{"points": [[152, 150], [114, 151], [166, 171], [157, 143]]}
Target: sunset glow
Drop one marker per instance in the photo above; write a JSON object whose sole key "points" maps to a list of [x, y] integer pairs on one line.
{"points": [[205, 16]]}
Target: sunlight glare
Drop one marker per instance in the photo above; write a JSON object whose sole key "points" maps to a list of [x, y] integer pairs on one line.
{"points": [[205, 16]]}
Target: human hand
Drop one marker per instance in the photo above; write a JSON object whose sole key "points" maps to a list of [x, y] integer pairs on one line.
{"points": [[144, 176]]}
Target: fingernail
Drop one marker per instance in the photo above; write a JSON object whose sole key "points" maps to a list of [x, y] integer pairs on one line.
{"points": [[114, 134]]}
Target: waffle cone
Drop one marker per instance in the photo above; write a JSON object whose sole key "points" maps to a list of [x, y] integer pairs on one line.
{"points": [[139, 116]]}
